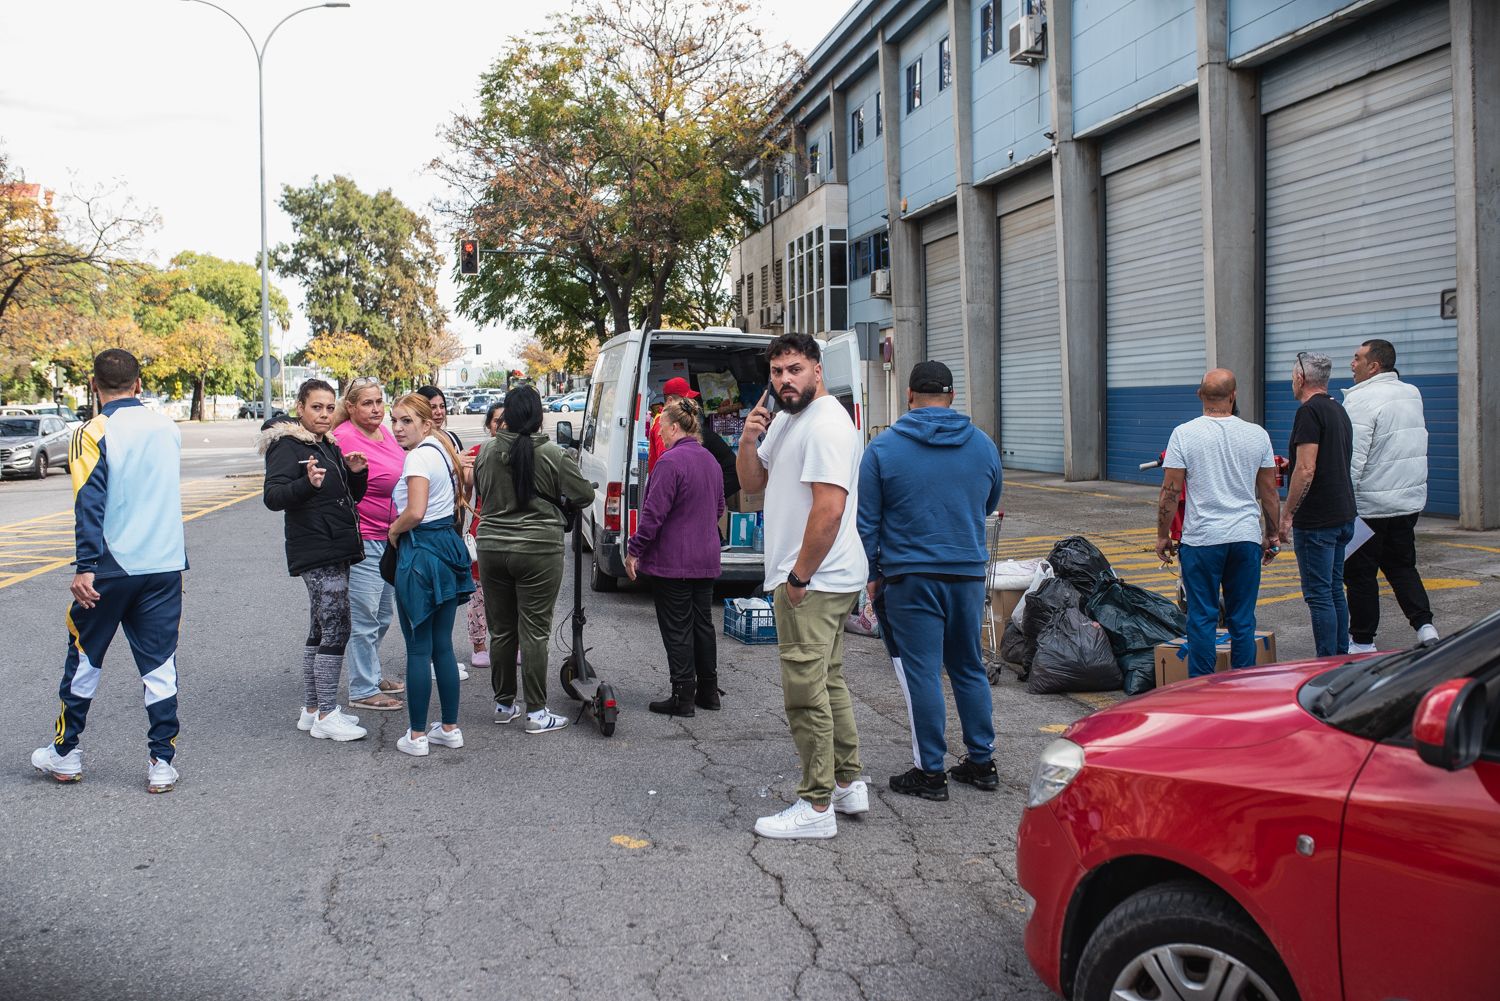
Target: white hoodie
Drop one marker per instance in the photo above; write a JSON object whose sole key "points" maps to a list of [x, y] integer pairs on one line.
{"points": [[1388, 461]]}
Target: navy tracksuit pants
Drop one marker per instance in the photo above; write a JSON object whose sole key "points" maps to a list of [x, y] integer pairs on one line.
{"points": [[928, 624], [149, 609]]}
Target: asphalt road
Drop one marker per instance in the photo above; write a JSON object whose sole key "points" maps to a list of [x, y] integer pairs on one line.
{"points": [[559, 866]]}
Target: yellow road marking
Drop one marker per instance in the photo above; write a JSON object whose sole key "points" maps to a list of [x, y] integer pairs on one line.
{"points": [[1071, 490], [1053, 728], [626, 841], [1470, 545]]}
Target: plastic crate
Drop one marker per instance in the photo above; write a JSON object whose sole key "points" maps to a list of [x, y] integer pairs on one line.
{"points": [[751, 625]]}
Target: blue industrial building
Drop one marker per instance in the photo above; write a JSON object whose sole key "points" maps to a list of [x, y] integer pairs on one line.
{"points": [[1080, 205]]}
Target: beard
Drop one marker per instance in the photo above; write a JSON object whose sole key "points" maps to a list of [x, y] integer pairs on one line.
{"points": [[798, 403]]}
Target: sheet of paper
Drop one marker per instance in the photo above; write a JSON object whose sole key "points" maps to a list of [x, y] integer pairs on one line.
{"points": [[1362, 533]]}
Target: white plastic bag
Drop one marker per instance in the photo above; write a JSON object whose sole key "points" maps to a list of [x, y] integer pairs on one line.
{"points": [[1013, 575], [1043, 572]]}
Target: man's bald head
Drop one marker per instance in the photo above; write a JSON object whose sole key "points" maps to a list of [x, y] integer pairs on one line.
{"points": [[1217, 387]]}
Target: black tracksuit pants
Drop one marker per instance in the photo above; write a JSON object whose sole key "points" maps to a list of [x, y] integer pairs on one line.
{"points": [[684, 613], [1392, 551]]}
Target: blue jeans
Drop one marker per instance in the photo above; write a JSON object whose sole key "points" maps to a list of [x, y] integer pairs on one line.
{"points": [[371, 603], [929, 625], [1233, 567], [1320, 561]]}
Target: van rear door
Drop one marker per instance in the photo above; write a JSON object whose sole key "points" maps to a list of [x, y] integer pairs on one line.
{"points": [[841, 374]]}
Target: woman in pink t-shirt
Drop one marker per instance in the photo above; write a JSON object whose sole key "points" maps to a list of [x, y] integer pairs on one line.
{"points": [[359, 427]]}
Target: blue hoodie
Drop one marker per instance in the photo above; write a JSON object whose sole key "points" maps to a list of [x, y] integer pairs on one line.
{"points": [[925, 487]]}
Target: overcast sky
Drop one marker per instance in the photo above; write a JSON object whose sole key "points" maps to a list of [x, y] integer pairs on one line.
{"points": [[159, 95]]}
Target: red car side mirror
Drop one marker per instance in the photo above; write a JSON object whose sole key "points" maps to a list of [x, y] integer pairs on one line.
{"points": [[1449, 724]]}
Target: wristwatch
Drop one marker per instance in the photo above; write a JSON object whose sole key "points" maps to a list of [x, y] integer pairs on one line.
{"points": [[793, 580]]}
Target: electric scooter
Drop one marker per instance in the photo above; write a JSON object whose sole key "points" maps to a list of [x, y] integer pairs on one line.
{"points": [[577, 674]]}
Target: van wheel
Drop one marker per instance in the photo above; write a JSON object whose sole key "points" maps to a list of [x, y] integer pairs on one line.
{"points": [[601, 581], [1180, 939]]}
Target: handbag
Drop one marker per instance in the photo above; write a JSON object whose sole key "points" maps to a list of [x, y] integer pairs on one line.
{"points": [[388, 564]]}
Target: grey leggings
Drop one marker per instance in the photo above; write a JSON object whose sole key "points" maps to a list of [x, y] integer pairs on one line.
{"points": [[328, 631]]}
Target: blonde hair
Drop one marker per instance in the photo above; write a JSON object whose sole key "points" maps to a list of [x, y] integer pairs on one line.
{"points": [[421, 408], [351, 397], [686, 414]]}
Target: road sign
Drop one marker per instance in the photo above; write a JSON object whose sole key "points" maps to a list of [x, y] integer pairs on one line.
{"points": [[463, 376], [260, 367]]}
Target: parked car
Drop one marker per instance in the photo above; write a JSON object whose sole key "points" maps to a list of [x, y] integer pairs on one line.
{"points": [[68, 414], [1325, 829], [32, 445], [480, 402], [569, 403]]}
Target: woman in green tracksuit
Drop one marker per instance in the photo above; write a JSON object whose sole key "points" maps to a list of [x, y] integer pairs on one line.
{"points": [[522, 477]]}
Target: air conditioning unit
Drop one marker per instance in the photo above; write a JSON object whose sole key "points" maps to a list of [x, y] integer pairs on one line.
{"points": [[741, 322], [783, 203], [1028, 40], [775, 315], [813, 180], [880, 283]]}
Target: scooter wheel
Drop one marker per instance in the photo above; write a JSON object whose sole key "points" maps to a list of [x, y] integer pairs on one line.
{"points": [[606, 710], [565, 678]]}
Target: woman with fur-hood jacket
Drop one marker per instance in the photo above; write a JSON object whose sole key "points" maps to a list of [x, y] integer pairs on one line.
{"points": [[316, 485]]}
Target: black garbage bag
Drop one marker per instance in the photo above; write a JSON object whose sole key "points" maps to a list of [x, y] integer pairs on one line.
{"points": [[1073, 654], [1079, 562], [1136, 620], [1049, 600], [1013, 650]]}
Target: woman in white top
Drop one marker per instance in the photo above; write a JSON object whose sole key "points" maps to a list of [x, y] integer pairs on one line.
{"points": [[432, 570]]}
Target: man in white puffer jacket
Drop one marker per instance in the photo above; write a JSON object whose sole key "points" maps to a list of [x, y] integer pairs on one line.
{"points": [[1388, 466]]}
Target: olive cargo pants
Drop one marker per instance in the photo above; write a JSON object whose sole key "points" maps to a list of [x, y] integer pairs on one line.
{"points": [[818, 709]]}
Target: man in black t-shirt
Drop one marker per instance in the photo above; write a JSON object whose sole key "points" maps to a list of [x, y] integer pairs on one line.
{"points": [[1319, 512]]}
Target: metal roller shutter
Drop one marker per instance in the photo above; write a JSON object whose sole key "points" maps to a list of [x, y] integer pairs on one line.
{"points": [[1031, 434], [1360, 242], [1154, 322], [945, 326]]}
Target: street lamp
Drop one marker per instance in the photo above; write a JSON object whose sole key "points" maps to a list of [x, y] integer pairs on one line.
{"points": [[265, 284]]}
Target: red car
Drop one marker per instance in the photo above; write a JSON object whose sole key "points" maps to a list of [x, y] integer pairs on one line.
{"points": [[1321, 830]]}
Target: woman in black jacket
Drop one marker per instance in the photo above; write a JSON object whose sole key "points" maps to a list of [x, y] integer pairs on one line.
{"points": [[317, 486]]}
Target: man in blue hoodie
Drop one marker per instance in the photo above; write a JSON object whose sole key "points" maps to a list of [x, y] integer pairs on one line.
{"points": [[925, 487]]}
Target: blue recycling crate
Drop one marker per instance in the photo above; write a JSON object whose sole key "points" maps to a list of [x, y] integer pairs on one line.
{"points": [[751, 625]]}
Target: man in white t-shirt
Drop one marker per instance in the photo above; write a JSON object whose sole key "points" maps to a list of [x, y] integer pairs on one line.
{"points": [[808, 466], [1230, 526]]}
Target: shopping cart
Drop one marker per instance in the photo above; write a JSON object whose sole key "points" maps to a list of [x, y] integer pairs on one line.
{"points": [[992, 631]]}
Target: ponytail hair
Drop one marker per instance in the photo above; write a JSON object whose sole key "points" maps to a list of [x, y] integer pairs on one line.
{"points": [[523, 416], [422, 409], [686, 414]]}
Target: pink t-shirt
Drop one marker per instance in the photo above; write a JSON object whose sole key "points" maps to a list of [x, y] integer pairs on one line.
{"points": [[386, 457]]}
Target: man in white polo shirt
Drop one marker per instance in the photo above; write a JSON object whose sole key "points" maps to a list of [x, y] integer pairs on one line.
{"points": [[808, 466], [1230, 526]]}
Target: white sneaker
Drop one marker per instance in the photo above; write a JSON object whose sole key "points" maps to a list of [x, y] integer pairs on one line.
{"points": [[508, 714], [544, 721], [463, 674], [1427, 634], [336, 726], [62, 767], [161, 776], [415, 747], [1361, 647], [307, 717], [799, 820], [852, 799], [448, 738]]}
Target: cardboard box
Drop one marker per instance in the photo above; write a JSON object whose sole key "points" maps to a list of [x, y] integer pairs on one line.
{"points": [[750, 503], [1172, 657], [1002, 604], [741, 530]]}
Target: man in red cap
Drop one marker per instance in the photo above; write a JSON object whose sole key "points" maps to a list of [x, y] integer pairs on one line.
{"points": [[676, 388]]}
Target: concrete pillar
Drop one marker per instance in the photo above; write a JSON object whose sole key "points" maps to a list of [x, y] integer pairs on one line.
{"points": [[1076, 190], [1476, 173], [1232, 160], [977, 233], [908, 321], [838, 156]]}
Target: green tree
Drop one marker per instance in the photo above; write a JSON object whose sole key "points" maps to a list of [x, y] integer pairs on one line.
{"points": [[343, 355], [604, 148], [368, 265], [190, 345], [234, 287]]}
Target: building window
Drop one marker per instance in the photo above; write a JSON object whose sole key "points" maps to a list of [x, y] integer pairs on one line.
{"points": [[987, 30], [869, 253], [765, 284], [914, 86], [857, 129], [879, 118], [814, 159], [945, 65], [778, 183], [750, 294], [739, 296], [817, 291], [776, 278]]}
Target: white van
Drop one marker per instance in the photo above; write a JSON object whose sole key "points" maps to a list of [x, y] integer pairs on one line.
{"points": [[628, 377]]}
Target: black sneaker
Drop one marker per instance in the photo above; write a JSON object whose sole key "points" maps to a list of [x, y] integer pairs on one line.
{"points": [[916, 782], [979, 776]]}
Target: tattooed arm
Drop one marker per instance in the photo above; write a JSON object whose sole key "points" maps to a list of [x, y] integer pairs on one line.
{"points": [[1172, 481]]}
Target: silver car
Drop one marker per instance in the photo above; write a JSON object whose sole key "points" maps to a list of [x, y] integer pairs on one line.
{"points": [[33, 446]]}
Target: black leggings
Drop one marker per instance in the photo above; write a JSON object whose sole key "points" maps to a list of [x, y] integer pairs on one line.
{"points": [[328, 596]]}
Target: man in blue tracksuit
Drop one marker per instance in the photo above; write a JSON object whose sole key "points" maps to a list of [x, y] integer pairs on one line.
{"points": [[127, 514], [925, 487]]}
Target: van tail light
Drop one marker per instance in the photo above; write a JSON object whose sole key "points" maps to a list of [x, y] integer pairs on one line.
{"points": [[612, 494], [859, 423]]}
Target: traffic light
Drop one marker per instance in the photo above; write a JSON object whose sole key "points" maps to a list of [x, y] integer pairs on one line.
{"points": [[468, 257]]}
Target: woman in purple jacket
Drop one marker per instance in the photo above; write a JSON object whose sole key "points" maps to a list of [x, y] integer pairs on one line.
{"points": [[677, 544]]}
